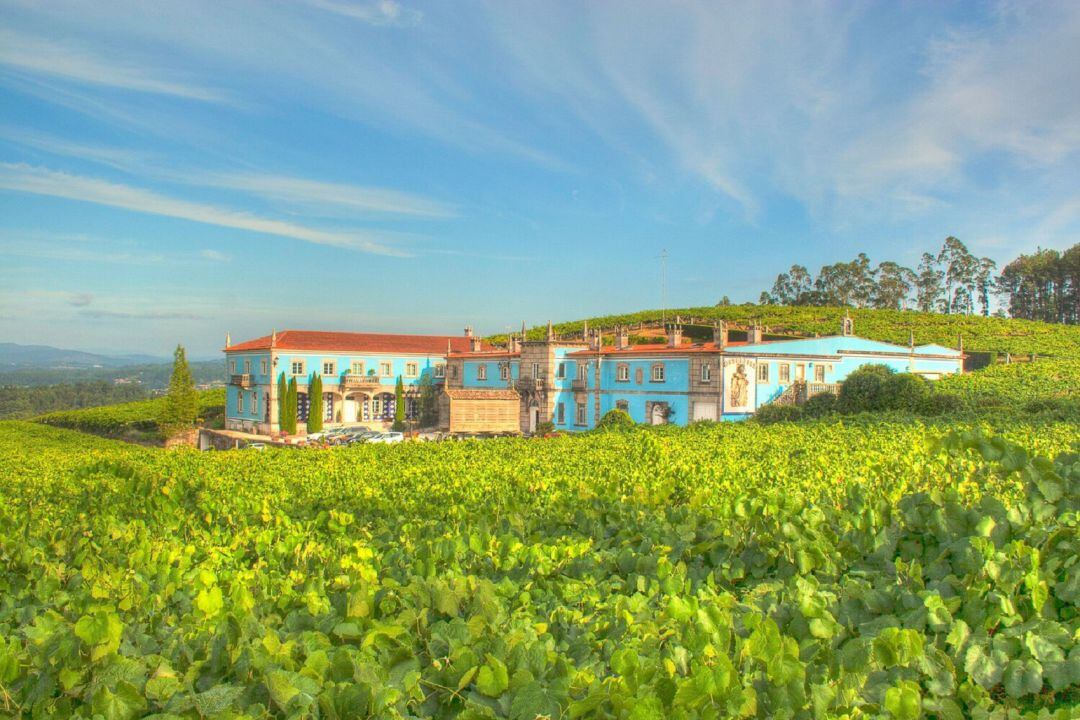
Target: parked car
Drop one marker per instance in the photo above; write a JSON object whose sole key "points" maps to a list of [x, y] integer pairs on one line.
{"points": [[388, 437], [255, 446]]}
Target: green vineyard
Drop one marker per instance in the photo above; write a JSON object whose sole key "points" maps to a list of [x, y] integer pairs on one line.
{"points": [[827, 569]]}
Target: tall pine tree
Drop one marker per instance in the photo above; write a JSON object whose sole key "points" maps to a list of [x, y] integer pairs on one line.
{"points": [[315, 404], [182, 403]]}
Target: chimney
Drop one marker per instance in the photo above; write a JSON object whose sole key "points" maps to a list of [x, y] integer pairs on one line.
{"points": [[719, 334], [674, 335], [468, 331], [474, 343], [753, 335], [622, 338], [595, 339]]}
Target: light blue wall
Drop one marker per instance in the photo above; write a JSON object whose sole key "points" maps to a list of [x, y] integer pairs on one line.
{"points": [[638, 395], [313, 363], [471, 374], [232, 395]]}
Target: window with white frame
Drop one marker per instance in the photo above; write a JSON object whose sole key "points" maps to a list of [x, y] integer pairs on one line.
{"points": [[440, 371], [536, 371], [296, 367], [582, 371], [658, 372], [247, 366], [264, 366], [504, 372], [706, 373], [356, 367], [329, 367], [581, 417], [560, 372], [763, 372], [622, 372], [254, 402], [785, 373], [232, 366], [481, 371], [453, 372], [412, 369], [623, 405], [560, 414], [386, 369], [819, 373]]}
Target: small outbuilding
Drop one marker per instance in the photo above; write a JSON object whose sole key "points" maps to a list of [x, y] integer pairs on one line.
{"points": [[477, 410]]}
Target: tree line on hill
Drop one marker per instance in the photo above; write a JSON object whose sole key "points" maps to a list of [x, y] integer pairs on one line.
{"points": [[1042, 286], [21, 402]]}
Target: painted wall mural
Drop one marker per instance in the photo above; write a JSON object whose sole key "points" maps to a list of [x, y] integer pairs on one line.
{"points": [[739, 385]]}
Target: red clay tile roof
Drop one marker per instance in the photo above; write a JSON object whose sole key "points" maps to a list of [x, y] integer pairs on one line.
{"points": [[496, 354], [481, 394], [658, 349], [319, 341]]}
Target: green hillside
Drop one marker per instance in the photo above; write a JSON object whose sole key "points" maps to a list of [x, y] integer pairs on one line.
{"points": [[982, 334], [134, 420]]}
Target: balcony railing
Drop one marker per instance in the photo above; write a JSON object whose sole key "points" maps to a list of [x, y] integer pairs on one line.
{"points": [[816, 388], [360, 381], [244, 380], [527, 384], [579, 384]]}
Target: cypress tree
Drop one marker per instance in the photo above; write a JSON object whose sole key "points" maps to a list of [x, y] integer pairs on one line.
{"points": [[289, 423], [399, 405], [282, 400], [182, 403], [315, 404]]}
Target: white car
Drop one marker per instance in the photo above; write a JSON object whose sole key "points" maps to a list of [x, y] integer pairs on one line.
{"points": [[387, 437]]}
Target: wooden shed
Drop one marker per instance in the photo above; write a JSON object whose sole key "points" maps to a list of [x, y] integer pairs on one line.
{"points": [[475, 410]]}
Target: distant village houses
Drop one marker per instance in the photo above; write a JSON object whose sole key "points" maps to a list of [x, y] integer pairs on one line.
{"points": [[569, 382]]}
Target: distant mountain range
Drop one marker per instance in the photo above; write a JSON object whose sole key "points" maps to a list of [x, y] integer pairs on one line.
{"points": [[15, 356]]}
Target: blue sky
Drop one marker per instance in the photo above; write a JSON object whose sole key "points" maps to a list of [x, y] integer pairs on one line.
{"points": [[175, 171]]}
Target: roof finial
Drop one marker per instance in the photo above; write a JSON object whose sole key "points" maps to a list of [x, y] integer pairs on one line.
{"points": [[228, 341], [523, 331], [550, 332], [448, 346], [273, 337]]}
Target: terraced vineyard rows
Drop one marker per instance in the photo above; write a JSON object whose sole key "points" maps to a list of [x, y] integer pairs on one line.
{"points": [[986, 334], [818, 570]]}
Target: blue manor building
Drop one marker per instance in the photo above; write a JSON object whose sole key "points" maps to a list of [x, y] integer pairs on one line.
{"points": [[569, 382]]}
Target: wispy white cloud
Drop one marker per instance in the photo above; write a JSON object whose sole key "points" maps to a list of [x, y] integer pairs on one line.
{"points": [[42, 181], [66, 60], [380, 12], [117, 158], [314, 193], [215, 255]]}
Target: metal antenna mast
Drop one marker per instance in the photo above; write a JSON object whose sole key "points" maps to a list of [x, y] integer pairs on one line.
{"points": [[663, 286]]}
